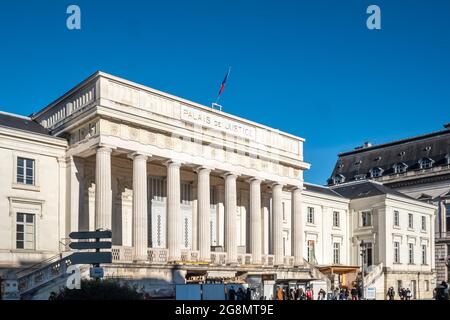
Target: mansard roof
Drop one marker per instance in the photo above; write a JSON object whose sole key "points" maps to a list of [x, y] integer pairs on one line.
{"points": [[321, 189], [365, 189], [435, 146], [22, 123]]}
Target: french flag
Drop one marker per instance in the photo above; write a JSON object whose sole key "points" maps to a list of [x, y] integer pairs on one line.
{"points": [[222, 86]]}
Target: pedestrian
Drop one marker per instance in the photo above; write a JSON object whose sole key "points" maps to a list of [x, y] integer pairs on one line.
{"points": [[248, 294], [279, 293], [354, 293], [309, 294], [391, 293], [232, 294], [240, 294], [441, 291], [292, 294], [52, 296], [408, 294]]}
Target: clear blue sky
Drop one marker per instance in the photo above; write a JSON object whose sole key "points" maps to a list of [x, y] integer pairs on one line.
{"points": [[310, 68]]}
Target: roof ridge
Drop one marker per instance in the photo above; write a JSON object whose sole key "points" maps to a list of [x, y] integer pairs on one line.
{"points": [[15, 115]]}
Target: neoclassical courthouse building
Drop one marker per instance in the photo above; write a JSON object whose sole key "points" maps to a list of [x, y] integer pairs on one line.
{"points": [[192, 193]]}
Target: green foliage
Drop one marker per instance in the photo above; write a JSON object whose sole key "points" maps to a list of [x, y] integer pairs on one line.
{"points": [[100, 290]]}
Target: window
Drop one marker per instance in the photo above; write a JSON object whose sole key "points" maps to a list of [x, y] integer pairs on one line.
{"points": [[310, 218], [336, 253], [396, 252], [425, 163], [25, 171], [424, 223], [411, 253], [400, 167], [25, 231], [368, 250], [311, 253], [336, 220], [376, 172], [338, 179], [284, 211], [410, 221], [424, 254], [447, 159], [427, 285], [366, 219], [396, 219], [447, 216]]}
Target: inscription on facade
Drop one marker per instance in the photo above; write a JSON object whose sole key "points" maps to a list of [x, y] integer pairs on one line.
{"points": [[213, 121]]}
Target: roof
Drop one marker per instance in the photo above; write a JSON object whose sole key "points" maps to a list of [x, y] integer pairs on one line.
{"points": [[435, 146], [365, 189], [321, 189], [22, 123]]}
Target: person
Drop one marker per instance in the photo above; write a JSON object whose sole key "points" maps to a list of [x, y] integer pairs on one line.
{"points": [[390, 293], [279, 294], [309, 294], [232, 294], [322, 294], [52, 296], [354, 293], [240, 294], [248, 294], [292, 294], [441, 291], [408, 294]]}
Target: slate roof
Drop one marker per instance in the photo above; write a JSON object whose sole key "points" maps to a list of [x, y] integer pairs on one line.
{"points": [[365, 189], [21, 123], [435, 146], [321, 189]]}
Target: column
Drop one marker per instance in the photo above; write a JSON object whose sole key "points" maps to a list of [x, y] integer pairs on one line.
{"points": [[173, 211], [277, 230], [103, 192], [140, 231], [204, 209], [230, 217], [255, 220], [297, 226]]}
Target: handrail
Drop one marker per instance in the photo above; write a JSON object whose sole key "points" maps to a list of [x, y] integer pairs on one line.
{"points": [[34, 267]]}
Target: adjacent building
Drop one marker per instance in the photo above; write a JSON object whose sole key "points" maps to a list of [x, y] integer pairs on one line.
{"points": [[418, 167]]}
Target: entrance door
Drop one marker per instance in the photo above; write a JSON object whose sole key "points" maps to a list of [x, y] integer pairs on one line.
{"points": [[157, 212]]}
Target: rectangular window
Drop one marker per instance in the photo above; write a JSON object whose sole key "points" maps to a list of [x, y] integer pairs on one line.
{"points": [[336, 253], [25, 231], [368, 257], [410, 221], [284, 211], [424, 254], [396, 219], [411, 253], [310, 218], [396, 252], [427, 285], [447, 216], [424, 223], [336, 220], [25, 171], [366, 219]]}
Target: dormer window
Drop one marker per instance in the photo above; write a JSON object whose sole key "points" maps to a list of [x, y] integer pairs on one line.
{"points": [[426, 163], [400, 167], [376, 172], [339, 178], [447, 159]]}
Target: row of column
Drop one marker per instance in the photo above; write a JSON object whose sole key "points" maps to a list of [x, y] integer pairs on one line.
{"points": [[103, 211]]}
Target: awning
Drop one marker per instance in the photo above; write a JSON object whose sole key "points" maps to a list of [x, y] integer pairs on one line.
{"points": [[338, 269]]}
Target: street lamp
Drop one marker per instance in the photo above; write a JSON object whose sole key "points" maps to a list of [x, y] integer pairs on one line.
{"points": [[363, 255]]}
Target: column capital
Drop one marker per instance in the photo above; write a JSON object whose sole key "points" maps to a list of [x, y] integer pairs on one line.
{"points": [[172, 162], [105, 147], [137, 154], [203, 168], [230, 173], [273, 185], [254, 180]]}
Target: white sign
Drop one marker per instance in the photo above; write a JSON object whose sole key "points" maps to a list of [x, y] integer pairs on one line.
{"points": [[371, 293], [213, 121]]}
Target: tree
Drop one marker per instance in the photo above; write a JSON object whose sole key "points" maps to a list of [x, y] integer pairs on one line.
{"points": [[100, 290]]}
